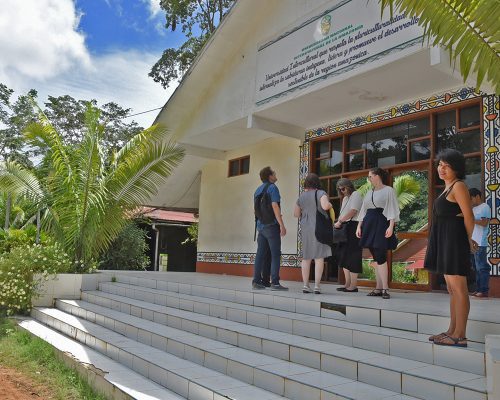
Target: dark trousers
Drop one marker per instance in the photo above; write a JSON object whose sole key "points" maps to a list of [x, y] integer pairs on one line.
{"points": [[480, 262], [268, 247]]}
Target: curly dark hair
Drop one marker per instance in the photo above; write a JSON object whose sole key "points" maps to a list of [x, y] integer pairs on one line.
{"points": [[312, 182], [455, 159]]}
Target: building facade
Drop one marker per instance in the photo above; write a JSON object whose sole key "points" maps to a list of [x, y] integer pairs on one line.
{"points": [[328, 87]]}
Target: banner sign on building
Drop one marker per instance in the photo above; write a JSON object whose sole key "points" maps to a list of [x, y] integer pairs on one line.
{"points": [[343, 38]]}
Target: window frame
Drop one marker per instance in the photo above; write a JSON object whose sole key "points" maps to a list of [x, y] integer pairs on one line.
{"points": [[239, 160]]}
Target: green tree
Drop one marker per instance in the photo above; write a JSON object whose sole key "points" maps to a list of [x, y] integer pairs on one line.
{"points": [[87, 197], [14, 117], [67, 115], [198, 20], [468, 29]]}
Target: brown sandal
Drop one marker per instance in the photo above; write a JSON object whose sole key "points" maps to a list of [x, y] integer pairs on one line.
{"points": [[454, 342], [438, 336], [375, 293]]}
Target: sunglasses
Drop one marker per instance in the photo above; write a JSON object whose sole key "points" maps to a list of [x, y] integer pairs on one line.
{"points": [[342, 189]]}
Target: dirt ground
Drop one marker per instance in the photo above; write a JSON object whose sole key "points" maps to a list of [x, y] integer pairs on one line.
{"points": [[16, 386]]}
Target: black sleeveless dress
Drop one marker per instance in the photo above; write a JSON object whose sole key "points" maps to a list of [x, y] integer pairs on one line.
{"points": [[448, 250]]}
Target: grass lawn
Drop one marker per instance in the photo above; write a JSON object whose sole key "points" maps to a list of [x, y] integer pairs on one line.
{"points": [[36, 360]]}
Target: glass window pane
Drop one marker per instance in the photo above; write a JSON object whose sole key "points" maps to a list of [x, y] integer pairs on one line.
{"points": [[473, 172], [322, 149], [245, 165], [419, 128], [333, 187], [469, 116], [336, 158], [356, 161], [386, 146], [414, 186], [323, 167], [234, 168], [324, 184], [420, 150], [357, 141], [465, 142], [445, 130]]}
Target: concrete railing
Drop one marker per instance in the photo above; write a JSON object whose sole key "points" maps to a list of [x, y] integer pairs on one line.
{"points": [[67, 286]]}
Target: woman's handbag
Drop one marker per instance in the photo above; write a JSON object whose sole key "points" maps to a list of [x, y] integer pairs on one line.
{"points": [[324, 225], [340, 234]]}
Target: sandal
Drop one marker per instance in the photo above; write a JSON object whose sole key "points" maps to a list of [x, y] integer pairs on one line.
{"points": [[385, 295], [454, 342], [439, 336], [341, 289], [355, 290], [375, 293], [317, 290], [306, 289]]}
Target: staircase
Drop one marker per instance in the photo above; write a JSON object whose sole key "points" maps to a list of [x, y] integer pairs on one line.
{"points": [[199, 336]]}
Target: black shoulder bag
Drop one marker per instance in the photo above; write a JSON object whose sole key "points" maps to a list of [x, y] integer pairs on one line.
{"points": [[340, 234], [324, 225]]}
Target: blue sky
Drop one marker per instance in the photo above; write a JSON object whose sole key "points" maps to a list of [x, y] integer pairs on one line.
{"points": [[88, 49], [116, 24]]}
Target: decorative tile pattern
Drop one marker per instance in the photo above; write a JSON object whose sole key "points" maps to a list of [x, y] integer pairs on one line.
{"points": [[491, 125], [287, 260]]}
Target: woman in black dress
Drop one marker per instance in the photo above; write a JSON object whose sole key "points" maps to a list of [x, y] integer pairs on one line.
{"points": [[378, 214], [450, 244], [349, 252]]}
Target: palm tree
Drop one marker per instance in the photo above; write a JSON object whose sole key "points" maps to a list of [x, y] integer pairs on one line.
{"points": [[468, 29], [86, 198]]}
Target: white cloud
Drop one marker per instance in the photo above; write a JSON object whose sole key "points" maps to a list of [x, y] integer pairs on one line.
{"points": [[154, 7], [42, 49], [39, 38]]}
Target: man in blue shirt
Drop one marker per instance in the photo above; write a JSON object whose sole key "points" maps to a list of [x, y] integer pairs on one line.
{"points": [[269, 238], [482, 215]]}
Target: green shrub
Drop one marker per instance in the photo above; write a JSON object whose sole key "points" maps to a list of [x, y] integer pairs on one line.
{"points": [[17, 270], [12, 238], [128, 251]]}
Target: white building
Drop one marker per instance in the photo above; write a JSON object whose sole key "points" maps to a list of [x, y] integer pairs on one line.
{"points": [[327, 87]]}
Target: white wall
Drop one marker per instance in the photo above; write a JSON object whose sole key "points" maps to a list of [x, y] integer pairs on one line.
{"points": [[232, 90], [226, 205]]}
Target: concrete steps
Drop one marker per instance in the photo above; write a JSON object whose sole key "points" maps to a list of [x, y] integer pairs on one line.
{"points": [[203, 338], [107, 376]]}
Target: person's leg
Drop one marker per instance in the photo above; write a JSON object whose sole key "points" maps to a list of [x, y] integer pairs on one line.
{"points": [[306, 270], [274, 240], [347, 275], [378, 285], [266, 268], [482, 269], [260, 257], [461, 305], [473, 264], [453, 316], [383, 272], [319, 264], [354, 281]]}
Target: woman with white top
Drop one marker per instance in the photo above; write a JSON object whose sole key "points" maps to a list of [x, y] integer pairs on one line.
{"points": [[378, 214], [349, 252]]}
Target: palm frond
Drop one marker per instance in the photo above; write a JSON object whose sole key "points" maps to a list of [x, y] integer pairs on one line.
{"points": [[19, 181], [406, 188], [137, 178], [468, 29]]}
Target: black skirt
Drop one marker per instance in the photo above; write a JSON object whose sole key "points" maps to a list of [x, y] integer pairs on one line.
{"points": [[349, 253], [373, 231]]}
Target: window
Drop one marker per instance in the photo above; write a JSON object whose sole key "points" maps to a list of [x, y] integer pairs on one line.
{"points": [[239, 166]]}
